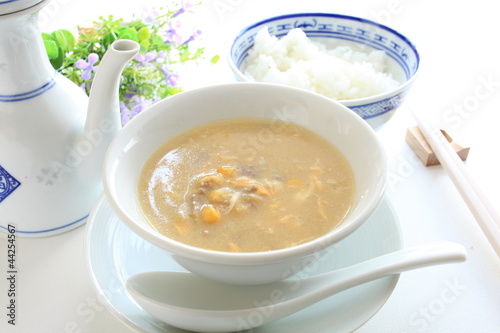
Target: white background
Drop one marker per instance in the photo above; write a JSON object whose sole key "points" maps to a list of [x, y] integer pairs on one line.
{"points": [[459, 45]]}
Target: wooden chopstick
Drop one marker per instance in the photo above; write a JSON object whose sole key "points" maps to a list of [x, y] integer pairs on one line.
{"points": [[482, 210]]}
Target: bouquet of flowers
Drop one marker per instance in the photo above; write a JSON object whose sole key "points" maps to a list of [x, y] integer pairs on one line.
{"points": [[151, 75]]}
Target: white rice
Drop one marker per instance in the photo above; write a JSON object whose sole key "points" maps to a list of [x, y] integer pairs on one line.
{"points": [[341, 73]]}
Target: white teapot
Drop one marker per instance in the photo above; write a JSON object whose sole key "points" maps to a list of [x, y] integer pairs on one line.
{"points": [[51, 147]]}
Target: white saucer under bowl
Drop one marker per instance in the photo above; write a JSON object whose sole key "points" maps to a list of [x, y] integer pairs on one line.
{"points": [[113, 253]]}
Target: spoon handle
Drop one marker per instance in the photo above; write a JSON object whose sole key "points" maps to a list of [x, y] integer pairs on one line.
{"points": [[327, 284]]}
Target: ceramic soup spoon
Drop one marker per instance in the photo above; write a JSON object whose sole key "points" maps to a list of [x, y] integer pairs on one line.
{"points": [[187, 301]]}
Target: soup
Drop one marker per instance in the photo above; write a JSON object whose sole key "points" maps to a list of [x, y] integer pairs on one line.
{"points": [[246, 185]]}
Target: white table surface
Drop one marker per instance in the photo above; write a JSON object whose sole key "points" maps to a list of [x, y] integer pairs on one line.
{"points": [[459, 45]]}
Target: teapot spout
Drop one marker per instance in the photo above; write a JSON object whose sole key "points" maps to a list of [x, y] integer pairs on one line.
{"points": [[103, 115]]}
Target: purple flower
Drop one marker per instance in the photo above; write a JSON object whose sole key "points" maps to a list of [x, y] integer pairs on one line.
{"points": [[186, 7], [150, 16], [135, 106], [172, 34], [170, 78], [126, 113], [139, 103], [195, 34], [144, 59], [88, 66]]}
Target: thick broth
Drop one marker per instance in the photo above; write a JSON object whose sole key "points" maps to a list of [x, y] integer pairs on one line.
{"points": [[246, 185]]}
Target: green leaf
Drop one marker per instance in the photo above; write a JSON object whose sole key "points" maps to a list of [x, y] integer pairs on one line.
{"points": [[46, 36], [143, 34], [215, 59], [52, 49], [198, 53], [156, 41], [64, 39], [108, 39], [129, 33], [144, 46], [59, 60]]}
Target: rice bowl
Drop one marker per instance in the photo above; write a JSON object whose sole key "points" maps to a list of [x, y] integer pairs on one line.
{"points": [[402, 59]]}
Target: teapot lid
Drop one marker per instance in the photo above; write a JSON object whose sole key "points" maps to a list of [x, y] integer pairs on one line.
{"points": [[13, 6]]}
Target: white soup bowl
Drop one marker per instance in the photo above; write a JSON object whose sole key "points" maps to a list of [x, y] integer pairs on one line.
{"points": [[150, 129]]}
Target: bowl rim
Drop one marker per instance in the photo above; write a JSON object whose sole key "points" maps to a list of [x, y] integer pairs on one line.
{"points": [[241, 258], [347, 102]]}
